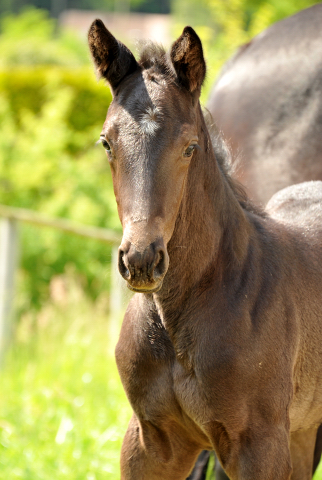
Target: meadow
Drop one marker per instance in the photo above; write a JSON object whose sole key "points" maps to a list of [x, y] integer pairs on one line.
{"points": [[63, 411]]}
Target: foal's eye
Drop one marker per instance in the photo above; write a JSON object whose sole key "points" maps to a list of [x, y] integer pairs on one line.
{"points": [[189, 151], [106, 145]]}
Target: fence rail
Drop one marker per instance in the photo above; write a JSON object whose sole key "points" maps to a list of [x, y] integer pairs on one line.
{"points": [[9, 254], [29, 216]]}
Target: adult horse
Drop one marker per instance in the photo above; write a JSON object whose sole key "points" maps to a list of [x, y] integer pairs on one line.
{"points": [[267, 102], [220, 347]]}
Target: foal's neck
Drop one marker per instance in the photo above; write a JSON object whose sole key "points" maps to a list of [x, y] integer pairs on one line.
{"points": [[211, 232]]}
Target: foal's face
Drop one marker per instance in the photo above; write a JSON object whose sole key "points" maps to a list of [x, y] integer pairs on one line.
{"points": [[150, 135]]}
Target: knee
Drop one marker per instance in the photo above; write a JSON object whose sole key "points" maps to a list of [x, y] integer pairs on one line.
{"points": [[269, 460], [156, 442], [145, 437]]}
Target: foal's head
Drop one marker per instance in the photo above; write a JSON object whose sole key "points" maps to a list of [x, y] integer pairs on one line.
{"points": [[150, 135]]}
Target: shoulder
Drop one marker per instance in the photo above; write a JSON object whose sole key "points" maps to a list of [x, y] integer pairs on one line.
{"points": [[142, 333]]}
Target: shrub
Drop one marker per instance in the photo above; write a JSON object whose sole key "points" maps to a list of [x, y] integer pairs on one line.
{"points": [[32, 38], [51, 119]]}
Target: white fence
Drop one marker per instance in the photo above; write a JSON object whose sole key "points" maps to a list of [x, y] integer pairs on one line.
{"points": [[9, 255]]}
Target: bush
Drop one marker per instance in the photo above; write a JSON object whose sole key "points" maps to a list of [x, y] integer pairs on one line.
{"points": [[51, 119], [32, 38]]}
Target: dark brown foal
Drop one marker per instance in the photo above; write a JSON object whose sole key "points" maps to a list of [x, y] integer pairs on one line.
{"points": [[221, 345]]}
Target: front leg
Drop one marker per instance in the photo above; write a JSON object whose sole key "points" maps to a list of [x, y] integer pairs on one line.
{"points": [[266, 457], [302, 451], [152, 453], [161, 442], [261, 453], [305, 445]]}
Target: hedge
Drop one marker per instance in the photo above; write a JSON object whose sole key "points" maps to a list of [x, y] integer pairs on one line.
{"points": [[50, 120]]}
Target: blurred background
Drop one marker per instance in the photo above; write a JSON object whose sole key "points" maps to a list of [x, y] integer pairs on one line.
{"points": [[62, 409]]}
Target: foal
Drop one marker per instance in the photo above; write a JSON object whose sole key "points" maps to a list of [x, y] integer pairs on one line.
{"points": [[221, 346]]}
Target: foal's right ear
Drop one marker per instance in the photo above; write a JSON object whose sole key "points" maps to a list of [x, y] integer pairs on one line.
{"points": [[187, 58], [113, 60]]}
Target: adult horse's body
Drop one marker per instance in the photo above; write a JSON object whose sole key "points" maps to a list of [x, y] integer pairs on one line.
{"points": [[267, 102], [221, 346]]}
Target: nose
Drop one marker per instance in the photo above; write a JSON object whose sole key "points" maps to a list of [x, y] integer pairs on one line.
{"points": [[144, 270]]}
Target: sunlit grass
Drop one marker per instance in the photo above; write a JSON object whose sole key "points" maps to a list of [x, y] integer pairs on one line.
{"points": [[318, 473], [63, 412]]}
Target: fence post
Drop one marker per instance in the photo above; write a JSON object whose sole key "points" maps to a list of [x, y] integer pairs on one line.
{"points": [[8, 263]]}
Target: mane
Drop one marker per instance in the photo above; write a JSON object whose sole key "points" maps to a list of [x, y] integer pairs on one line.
{"points": [[228, 166], [154, 56]]}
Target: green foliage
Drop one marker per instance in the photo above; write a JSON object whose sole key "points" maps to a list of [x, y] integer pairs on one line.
{"points": [[56, 6], [30, 39], [51, 119], [64, 413], [51, 114]]}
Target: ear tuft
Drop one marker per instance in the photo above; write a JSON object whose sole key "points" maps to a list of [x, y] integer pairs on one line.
{"points": [[187, 58], [112, 59]]}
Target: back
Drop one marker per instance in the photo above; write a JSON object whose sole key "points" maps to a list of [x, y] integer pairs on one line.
{"points": [[299, 206]]}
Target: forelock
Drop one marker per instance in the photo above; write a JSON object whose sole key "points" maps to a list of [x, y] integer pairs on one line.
{"points": [[153, 56]]}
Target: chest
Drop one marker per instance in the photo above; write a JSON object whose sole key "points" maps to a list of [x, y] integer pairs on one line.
{"points": [[201, 383], [208, 376]]}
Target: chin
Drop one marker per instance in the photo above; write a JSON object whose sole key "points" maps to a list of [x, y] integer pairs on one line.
{"points": [[145, 289]]}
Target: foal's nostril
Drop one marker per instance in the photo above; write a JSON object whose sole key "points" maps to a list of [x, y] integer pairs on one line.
{"points": [[143, 268], [123, 269], [160, 263]]}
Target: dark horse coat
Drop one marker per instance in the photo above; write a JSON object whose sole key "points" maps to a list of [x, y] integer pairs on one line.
{"points": [[267, 102], [220, 347]]}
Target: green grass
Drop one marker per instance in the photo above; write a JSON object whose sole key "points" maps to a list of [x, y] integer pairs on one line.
{"points": [[63, 412], [318, 473]]}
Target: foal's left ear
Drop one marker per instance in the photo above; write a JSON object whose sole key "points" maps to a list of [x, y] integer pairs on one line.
{"points": [[113, 60], [187, 58]]}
